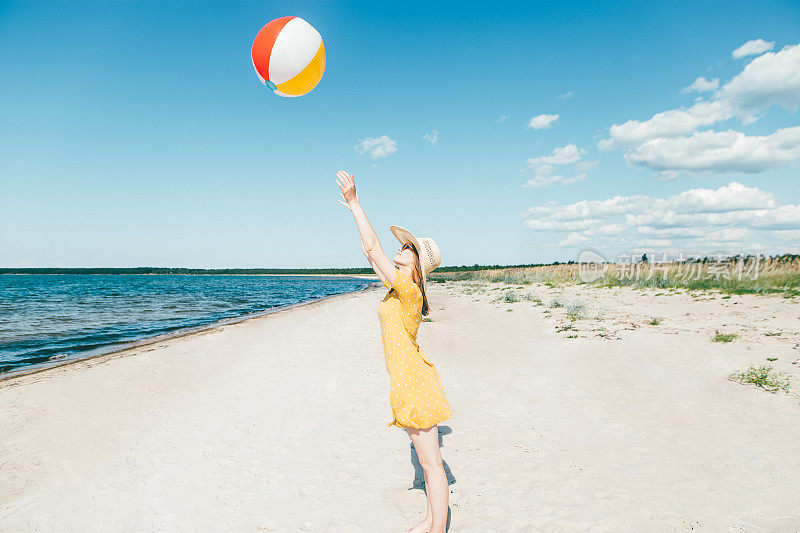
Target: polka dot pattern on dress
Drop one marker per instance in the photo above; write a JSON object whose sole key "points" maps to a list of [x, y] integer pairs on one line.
{"points": [[416, 395]]}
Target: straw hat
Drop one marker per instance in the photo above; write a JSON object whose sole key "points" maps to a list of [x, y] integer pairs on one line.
{"points": [[429, 256]]}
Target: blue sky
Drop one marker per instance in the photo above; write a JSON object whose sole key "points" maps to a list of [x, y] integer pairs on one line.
{"points": [[138, 134]]}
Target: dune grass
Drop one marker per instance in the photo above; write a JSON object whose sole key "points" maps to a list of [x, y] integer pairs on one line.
{"points": [[723, 337], [577, 310], [511, 296], [738, 275], [762, 376]]}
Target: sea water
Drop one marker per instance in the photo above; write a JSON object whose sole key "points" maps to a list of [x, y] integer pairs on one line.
{"points": [[46, 319]]}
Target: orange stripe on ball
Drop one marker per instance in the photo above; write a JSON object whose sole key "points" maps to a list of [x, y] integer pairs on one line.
{"points": [[263, 43]]}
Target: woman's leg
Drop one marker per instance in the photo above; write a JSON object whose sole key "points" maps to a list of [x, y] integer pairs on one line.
{"points": [[428, 515], [426, 443]]}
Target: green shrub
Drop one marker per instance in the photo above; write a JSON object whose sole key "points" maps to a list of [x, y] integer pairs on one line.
{"points": [[724, 337], [531, 298], [511, 297], [577, 310], [764, 377]]}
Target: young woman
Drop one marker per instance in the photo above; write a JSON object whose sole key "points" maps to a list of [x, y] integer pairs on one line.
{"points": [[416, 395]]}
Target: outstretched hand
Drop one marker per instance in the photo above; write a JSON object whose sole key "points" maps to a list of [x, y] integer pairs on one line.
{"points": [[347, 187]]}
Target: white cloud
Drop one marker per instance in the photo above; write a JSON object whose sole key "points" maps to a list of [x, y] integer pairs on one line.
{"points": [[566, 95], [574, 179], [770, 79], [560, 156], [702, 85], [538, 182], [543, 167], [502, 119], [672, 232], [556, 225], [716, 152], [432, 137], [543, 177], [731, 197], [789, 235], [751, 48], [589, 209], [784, 217], [648, 244], [611, 229], [573, 239], [731, 216], [733, 234], [377, 147], [673, 143], [667, 124], [542, 122], [781, 218]]}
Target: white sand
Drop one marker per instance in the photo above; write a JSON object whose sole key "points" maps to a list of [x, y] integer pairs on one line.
{"points": [[279, 423]]}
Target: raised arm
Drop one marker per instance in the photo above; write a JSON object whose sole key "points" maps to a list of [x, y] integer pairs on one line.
{"points": [[381, 264], [377, 271]]}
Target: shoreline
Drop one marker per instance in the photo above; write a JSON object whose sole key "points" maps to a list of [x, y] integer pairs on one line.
{"points": [[119, 349], [365, 276], [620, 420]]}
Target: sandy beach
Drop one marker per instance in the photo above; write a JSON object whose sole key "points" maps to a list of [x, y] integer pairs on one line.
{"points": [[603, 423]]}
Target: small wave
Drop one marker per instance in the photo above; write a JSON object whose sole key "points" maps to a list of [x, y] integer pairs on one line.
{"points": [[53, 324]]}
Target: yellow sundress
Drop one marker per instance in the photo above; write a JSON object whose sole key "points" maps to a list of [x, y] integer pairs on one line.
{"points": [[416, 395]]}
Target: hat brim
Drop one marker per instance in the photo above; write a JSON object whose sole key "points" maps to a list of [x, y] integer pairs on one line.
{"points": [[405, 236]]}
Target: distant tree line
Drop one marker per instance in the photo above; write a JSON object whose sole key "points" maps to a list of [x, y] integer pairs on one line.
{"points": [[309, 271], [241, 271]]}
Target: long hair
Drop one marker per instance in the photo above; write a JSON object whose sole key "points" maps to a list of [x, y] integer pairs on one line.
{"points": [[418, 280]]}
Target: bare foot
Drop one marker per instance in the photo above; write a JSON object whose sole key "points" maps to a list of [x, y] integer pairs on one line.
{"points": [[422, 527]]}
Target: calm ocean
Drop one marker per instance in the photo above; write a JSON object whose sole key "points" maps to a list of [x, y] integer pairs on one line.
{"points": [[46, 319]]}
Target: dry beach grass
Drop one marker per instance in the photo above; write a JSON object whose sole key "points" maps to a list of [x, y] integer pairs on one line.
{"points": [[732, 275], [576, 408]]}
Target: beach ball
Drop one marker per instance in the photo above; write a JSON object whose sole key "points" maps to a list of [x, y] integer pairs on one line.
{"points": [[289, 56]]}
